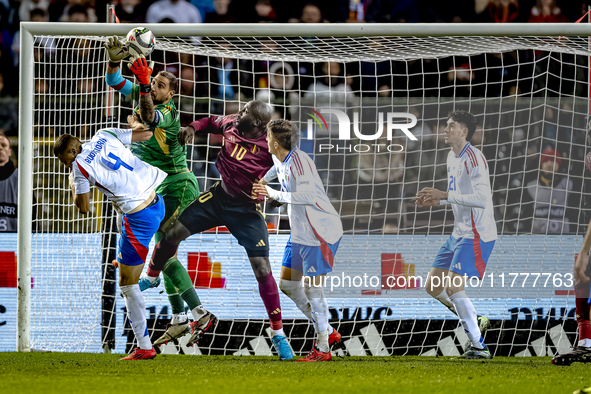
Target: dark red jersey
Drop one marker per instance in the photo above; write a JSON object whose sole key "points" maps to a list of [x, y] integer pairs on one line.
{"points": [[241, 160]]}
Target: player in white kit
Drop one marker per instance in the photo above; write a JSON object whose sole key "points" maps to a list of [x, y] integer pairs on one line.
{"points": [[467, 250], [106, 162], [316, 231]]}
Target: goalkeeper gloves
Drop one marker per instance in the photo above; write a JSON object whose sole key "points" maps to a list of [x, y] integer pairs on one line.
{"points": [[116, 51], [141, 70]]}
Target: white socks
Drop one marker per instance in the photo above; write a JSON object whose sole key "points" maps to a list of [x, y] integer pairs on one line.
{"points": [[278, 332], [467, 314], [198, 312], [445, 300], [136, 313], [294, 290], [180, 318], [320, 314], [585, 342]]}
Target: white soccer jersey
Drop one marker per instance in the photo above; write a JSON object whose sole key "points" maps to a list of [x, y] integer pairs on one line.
{"points": [[106, 163], [470, 195], [312, 217]]}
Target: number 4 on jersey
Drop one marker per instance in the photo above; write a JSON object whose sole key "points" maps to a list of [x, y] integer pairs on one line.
{"points": [[118, 163]]}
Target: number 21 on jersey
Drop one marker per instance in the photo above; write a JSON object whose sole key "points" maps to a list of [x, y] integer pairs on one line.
{"points": [[452, 183]]}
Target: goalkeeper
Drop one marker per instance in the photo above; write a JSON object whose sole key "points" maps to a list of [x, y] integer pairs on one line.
{"points": [[166, 150]]}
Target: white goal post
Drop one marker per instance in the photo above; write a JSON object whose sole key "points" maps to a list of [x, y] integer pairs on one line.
{"points": [[560, 37]]}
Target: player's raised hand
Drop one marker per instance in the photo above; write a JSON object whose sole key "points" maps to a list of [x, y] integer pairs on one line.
{"points": [[186, 135], [581, 267], [116, 50], [141, 70]]}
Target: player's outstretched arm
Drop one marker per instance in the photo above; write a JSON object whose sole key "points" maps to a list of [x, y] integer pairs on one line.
{"points": [[117, 52], [143, 72]]}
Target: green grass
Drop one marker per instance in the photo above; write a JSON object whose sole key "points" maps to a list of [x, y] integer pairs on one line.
{"points": [[44, 373]]}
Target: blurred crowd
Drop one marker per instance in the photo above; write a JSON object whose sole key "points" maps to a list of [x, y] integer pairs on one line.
{"points": [[12, 12], [386, 182]]}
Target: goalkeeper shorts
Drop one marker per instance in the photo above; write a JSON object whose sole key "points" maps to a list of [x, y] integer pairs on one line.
{"points": [[464, 256], [310, 260], [137, 230]]}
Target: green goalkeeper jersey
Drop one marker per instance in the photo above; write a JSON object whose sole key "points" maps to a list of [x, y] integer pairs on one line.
{"points": [[163, 150]]}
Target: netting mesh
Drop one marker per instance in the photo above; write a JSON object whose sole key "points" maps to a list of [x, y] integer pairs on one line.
{"points": [[528, 94]]}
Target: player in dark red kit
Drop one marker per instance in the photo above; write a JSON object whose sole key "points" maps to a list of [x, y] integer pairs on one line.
{"points": [[244, 159]]}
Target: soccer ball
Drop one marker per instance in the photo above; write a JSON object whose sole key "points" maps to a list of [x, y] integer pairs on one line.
{"points": [[140, 42]]}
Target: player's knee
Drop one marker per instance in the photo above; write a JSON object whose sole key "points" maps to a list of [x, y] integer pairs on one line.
{"points": [[176, 234], [260, 266], [433, 285], [284, 287]]}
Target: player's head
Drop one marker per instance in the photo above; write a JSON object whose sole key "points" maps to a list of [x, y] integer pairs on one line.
{"points": [[280, 136], [461, 126], [66, 148], [5, 150], [253, 118], [164, 86]]}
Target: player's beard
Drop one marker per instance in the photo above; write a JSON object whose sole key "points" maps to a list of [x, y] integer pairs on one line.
{"points": [[155, 101]]}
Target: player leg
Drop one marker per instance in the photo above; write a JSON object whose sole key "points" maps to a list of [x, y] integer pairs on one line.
{"points": [[291, 284], [470, 258], [317, 263], [581, 353], [201, 215], [248, 225], [439, 275], [137, 231]]}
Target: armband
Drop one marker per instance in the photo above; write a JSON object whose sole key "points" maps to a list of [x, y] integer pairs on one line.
{"points": [[157, 119]]}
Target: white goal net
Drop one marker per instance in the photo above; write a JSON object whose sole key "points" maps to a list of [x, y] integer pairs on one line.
{"points": [[530, 98]]}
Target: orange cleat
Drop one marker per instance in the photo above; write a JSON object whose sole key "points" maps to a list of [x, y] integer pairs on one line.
{"points": [[140, 354], [315, 355]]}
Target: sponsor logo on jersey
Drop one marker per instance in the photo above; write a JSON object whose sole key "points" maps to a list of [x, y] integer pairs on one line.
{"points": [[97, 148]]}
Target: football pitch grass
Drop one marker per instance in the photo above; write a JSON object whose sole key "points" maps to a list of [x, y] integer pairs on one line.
{"points": [[43, 373]]}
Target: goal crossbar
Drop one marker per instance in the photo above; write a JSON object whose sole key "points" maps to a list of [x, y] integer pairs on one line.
{"points": [[317, 29]]}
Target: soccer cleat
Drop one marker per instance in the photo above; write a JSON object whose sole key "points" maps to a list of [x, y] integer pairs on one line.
{"points": [[316, 355], [475, 353], [140, 354], [198, 328], [282, 347], [173, 331], [334, 341], [483, 324], [579, 354], [145, 283]]}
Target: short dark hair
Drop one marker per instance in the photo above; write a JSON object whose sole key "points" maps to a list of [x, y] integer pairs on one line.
{"points": [[62, 143], [466, 118], [284, 132], [173, 81]]}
